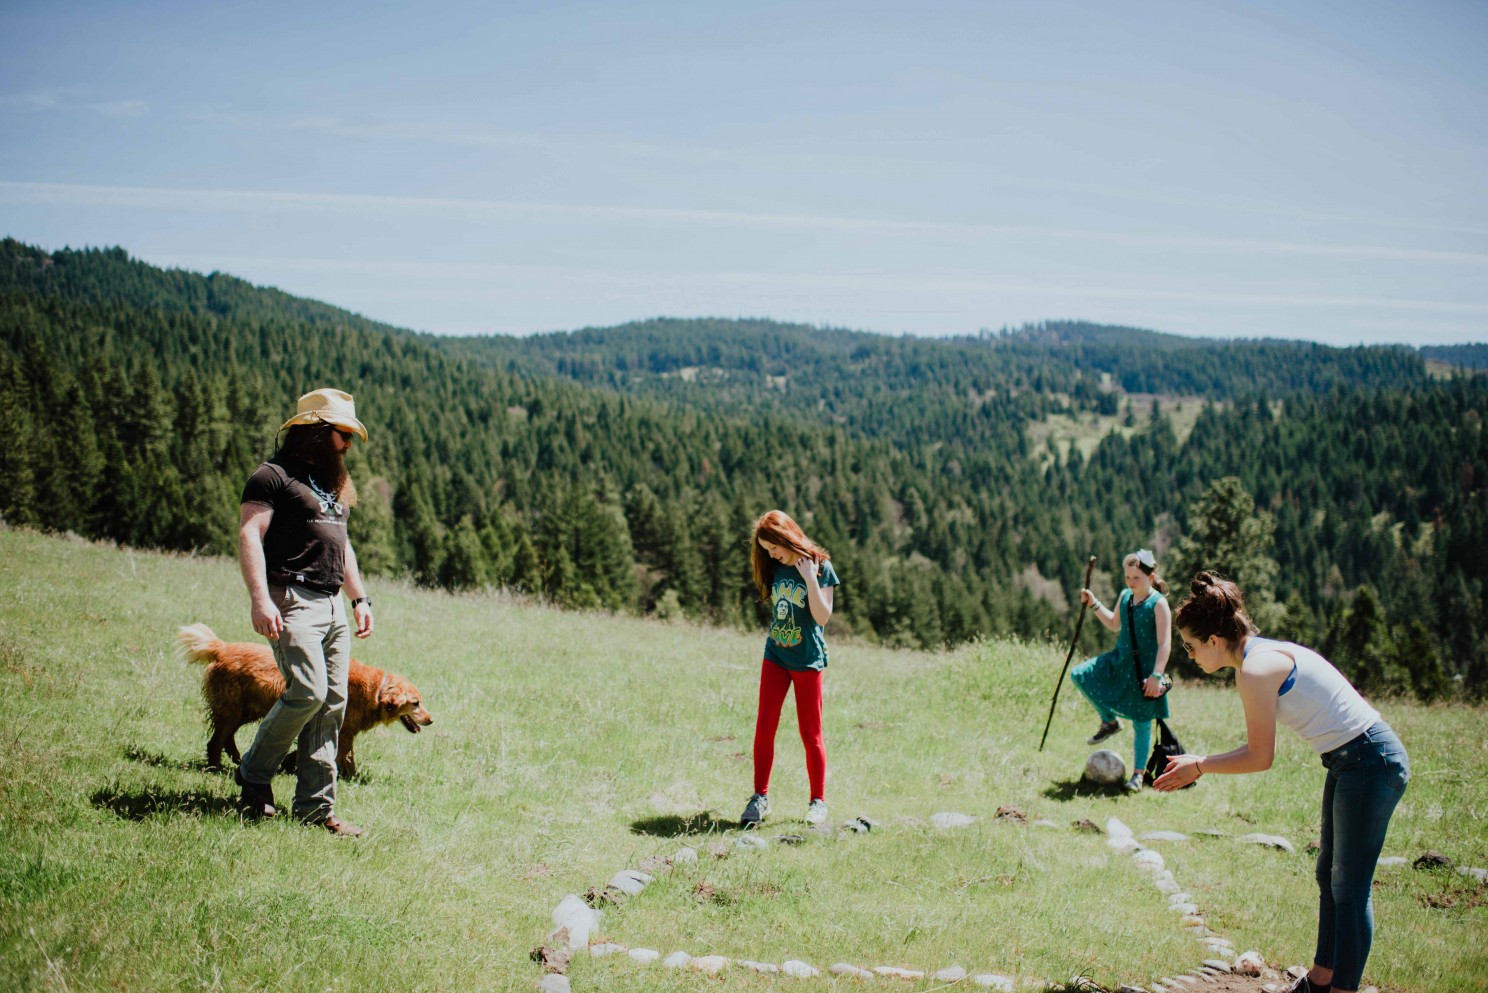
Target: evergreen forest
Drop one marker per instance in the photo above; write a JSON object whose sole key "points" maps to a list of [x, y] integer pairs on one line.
{"points": [[959, 484]]}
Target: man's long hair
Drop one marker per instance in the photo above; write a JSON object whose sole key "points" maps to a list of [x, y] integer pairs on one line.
{"points": [[312, 444]]}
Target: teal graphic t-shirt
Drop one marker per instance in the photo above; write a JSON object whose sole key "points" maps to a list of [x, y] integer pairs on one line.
{"points": [[795, 640]]}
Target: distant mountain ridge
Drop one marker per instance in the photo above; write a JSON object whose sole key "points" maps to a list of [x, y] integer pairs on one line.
{"points": [[960, 483]]}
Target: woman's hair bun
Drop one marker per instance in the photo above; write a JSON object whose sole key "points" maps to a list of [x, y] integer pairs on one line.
{"points": [[1201, 582]]}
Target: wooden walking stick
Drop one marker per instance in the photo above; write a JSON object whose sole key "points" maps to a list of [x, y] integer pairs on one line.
{"points": [[1070, 654]]}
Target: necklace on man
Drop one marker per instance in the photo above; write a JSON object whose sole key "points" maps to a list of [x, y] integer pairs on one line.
{"points": [[328, 503]]}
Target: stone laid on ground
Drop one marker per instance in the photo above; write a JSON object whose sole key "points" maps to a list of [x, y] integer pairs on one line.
{"points": [[606, 948], [1162, 836], [848, 969], [710, 964], [630, 881], [894, 972], [765, 968], [1481, 875], [797, 969], [645, 956], [1168, 886], [751, 842], [1124, 843], [553, 983], [1044, 822], [685, 856], [655, 864], [789, 839], [573, 922], [1148, 859], [1249, 964], [1270, 841], [1392, 860], [1116, 829], [1183, 908], [951, 974], [947, 819], [1128, 988], [676, 960], [1180, 898], [1219, 965], [993, 981], [1211, 833]]}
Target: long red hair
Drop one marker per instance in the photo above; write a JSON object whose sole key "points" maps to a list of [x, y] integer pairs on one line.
{"points": [[776, 527]]}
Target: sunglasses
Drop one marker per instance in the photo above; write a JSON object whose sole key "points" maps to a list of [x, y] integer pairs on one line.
{"points": [[346, 436]]}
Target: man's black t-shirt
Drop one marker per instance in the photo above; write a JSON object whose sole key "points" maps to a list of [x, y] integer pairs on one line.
{"points": [[307, 535]]}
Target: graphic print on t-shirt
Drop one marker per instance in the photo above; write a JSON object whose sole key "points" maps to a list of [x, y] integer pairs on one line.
{"points": [[784, 631]]}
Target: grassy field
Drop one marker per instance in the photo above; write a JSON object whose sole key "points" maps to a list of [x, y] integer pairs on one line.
{"points": [[568, 746]]}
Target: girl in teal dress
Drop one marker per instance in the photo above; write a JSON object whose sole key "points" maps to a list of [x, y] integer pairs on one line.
{"points": [[1128, 681]]}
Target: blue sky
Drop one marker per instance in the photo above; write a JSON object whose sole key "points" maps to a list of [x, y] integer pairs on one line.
{"points": [[1303, 170]]}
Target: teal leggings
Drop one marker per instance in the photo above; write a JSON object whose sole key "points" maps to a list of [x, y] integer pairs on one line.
{"points": [[1141, 733]]}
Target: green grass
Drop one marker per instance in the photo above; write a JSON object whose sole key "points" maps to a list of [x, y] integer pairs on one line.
{"points": [[1085, 430], [568, 746]]}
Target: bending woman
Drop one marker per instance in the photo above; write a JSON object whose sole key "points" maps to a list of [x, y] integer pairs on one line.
{"points": [[1128, 680], [1367, 766]]}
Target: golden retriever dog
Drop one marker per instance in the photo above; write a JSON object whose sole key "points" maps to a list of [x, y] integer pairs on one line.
{"points": [[242, 682]]}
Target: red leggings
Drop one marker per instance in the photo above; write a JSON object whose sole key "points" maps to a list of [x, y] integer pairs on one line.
{"points": [[775, 681]]}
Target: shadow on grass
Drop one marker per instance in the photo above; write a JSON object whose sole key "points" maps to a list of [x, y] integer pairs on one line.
{"points": [[162, 761], [1072, 788], [677, 825], [141, 804]]}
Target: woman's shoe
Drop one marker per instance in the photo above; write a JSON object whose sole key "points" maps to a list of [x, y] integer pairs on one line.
{"points": [[755, 811], [1134, 784], [1103, 732]]}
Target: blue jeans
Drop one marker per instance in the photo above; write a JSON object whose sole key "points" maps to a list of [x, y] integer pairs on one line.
{"points": [[1366, 779]]}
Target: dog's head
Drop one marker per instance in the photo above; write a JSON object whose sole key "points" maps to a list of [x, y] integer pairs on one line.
{"points": [[398, 698]]}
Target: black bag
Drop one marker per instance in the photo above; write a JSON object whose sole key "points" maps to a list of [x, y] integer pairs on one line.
{"points": [[1167, 747]]}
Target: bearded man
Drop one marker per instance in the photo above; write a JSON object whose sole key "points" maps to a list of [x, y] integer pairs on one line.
{"points": [[296, 559]]}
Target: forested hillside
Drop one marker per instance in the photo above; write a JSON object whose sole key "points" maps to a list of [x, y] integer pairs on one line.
{"points": [[959, 484]]}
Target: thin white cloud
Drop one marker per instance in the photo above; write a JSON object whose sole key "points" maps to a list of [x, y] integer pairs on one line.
{"points": [[30, 101], [155, 198], [121, 108]]}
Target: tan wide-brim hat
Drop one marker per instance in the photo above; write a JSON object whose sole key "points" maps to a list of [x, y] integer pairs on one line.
{"points": [[327, 407]]}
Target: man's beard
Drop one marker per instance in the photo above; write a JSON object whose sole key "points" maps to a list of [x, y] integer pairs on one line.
{"points": [[313, 445]]}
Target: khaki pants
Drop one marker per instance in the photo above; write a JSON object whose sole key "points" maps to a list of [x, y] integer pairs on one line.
{"points": [[314, 656]]}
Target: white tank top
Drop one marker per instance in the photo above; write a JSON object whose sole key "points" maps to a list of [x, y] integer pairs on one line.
{"points": [[1315, 700]]}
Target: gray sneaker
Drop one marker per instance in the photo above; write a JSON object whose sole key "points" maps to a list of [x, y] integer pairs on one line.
{"points": [[755, 811], [816, 812], [1106, 729]]}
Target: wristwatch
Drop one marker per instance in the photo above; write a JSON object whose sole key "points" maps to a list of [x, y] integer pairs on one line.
{"points": [[361, 599]]}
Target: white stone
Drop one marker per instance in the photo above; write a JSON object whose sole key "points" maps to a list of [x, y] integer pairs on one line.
{"points": [[711, 964], [1481, 875], [848, 969], [797, 969], [1116, 829], [1124, 843], [578, 917], [950, 974], [945, 820], [553, 983], [1166, 885], [1296, 971], [1044, 822], [1165, 874], [1270, 840], [630, 881], [1159, 989], [1219, 965], [607, 948], [767, 968], [752, 842], [1393, 860], [1183, 908], [1250, 964], [1147, 857], [1163, 836], [894, 972], [645, 956], [1105, 766], [685, 856], [991, 980], [676, 960], [1180, 898]]}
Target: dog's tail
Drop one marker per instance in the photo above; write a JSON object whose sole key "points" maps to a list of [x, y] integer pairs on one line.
{"points": [[198, 643]]}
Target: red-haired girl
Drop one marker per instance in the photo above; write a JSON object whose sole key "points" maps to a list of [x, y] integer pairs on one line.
{"points": [[794, 575]]}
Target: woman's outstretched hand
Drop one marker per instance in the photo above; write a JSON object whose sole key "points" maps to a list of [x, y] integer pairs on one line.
{"points": [[1181, 770]]}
